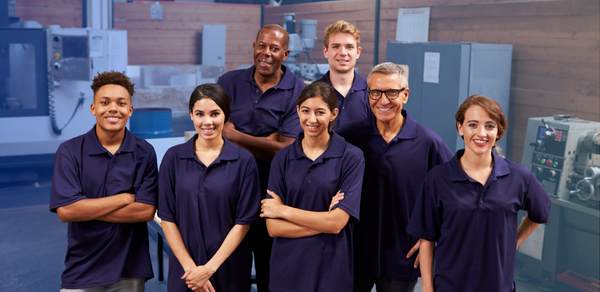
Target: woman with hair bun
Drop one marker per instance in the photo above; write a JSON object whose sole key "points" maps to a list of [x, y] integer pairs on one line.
{"points": [[469, 206]]}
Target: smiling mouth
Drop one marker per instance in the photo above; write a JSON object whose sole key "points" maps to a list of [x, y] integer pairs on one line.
{"points": [[208, 130], [265, 64], [312, 128], [479, 142], [113, 119], [384, 109]]}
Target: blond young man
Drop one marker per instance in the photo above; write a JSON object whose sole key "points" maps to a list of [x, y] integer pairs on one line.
{"points": [[342, 49]]}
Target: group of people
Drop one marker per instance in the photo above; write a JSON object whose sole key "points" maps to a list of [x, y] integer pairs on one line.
{"points": [[329, 187]]}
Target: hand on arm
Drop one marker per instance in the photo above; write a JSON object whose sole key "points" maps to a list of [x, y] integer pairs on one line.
{"points": [[263, 148], [197, 277], [427, 254], [336, 199], [331, 222], [287, 229], [525, 229], [135, 212], [414, 249], [92, 209]]}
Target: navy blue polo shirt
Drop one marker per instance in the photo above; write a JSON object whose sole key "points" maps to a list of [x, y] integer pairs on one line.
{"points": [[353, 107], [393, 177], [260, 114], [475, 226], [99, 252], [205, 203], [322, 262]]}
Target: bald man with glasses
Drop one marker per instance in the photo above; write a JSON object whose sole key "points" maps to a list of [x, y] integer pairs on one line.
{"points": [[398, 154]]}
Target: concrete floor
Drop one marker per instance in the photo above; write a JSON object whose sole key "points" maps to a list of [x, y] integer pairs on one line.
{"points": [[33, 245]]}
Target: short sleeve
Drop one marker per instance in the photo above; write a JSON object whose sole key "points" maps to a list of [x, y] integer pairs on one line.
{"points": [[66, 186], [167, 202], [221, 81], [351, 180], [248, 205], [277, 177], [425, 221], [290, 123], [536, 201], [147, 192], [443, 154]]}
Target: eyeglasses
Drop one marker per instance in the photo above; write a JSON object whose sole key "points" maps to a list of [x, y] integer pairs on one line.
{"points": [[391, 94]]}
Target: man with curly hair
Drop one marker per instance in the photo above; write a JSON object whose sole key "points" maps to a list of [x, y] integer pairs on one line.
{"points": [[105, 186]]}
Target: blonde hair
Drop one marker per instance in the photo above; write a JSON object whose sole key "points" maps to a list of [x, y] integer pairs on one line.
{"points": [[343, 27]]}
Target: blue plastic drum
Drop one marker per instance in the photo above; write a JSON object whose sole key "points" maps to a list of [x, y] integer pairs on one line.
{"points": [[150, 122]]}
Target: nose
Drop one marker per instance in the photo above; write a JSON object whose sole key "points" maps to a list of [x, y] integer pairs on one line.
{"points": [[481, 131], [312, 118], [206, 119], [112, 107], [384, 99]]}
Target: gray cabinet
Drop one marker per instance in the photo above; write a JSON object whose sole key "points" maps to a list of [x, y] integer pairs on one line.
{"points": [[463, 69]]}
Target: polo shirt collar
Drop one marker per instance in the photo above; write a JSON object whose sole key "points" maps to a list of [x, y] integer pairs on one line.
{"points": [[336, 148], [458, 174], [287, 82], [409, 129], [229, 152], [93, 145], [358, 84]]}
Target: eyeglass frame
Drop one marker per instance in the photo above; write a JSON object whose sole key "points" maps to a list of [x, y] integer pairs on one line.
{"points": [[384, 92]]}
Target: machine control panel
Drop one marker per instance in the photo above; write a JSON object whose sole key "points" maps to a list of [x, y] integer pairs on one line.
{"points": [[547, 161], [69, 58]]}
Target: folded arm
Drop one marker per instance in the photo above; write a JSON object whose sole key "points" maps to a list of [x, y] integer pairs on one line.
{"points": [[263, 148], [284, 228], [92, 209], [331, 222], [134, 212]]}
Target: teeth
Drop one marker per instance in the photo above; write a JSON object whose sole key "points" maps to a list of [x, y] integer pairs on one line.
{"points": [[114, 119], [384, 109]]}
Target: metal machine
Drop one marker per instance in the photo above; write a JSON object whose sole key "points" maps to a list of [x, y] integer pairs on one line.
{"points": [[303, 42], [45, 78], [564, 155]]}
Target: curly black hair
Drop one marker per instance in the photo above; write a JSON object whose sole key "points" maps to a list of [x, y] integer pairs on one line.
{"points": [[112, 77]]}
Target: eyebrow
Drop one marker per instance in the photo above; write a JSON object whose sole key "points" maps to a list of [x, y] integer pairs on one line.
{"points": [[321, 108], [212, 111], [476, 121], [118, 98]]}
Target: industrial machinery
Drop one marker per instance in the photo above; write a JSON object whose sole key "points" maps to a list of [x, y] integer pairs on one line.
{"points": [[45, 78], [563, 154], [303, 42]]}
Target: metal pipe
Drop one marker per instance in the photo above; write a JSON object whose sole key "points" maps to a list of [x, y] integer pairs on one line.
{"points": [[262, 16], [83, 13], [376, 49]]}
